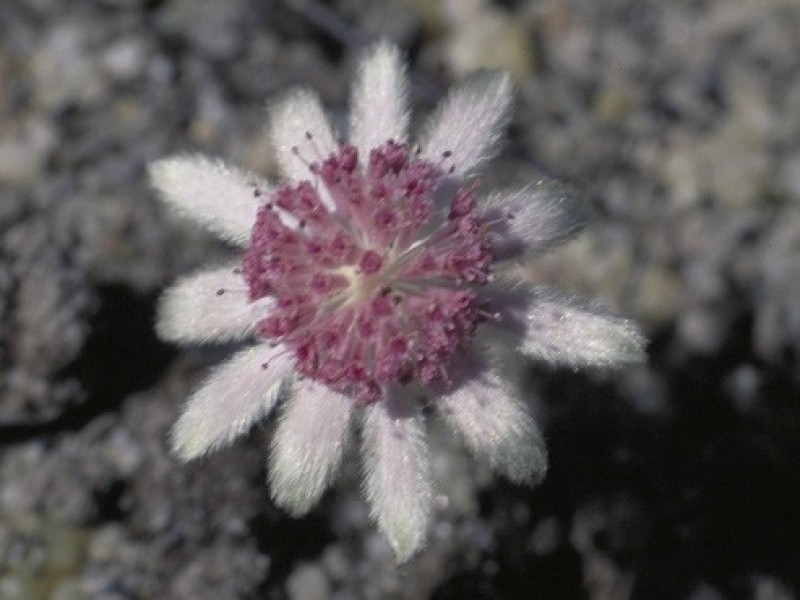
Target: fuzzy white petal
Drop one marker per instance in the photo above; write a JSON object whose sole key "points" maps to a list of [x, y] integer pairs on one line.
{"points": [[379, 100], [194, 310], [397, 472], [216, 195], [232, 398], [308, 445], [301, 133], [563, 330], [469, 123], [495, 424], [533, 218]]}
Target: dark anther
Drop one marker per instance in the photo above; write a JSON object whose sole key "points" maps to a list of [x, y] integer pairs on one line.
{"points": [[308, 135], [220, 292], [256, 192], [447, 154], [511, 216], [386, 290], [302, 224], [295, 150]]}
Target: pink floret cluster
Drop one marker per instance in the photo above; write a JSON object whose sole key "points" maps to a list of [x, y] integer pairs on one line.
{"points": [[371, 283]]}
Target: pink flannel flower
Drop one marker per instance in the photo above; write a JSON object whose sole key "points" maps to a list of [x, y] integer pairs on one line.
{"points": [[375, 277]]}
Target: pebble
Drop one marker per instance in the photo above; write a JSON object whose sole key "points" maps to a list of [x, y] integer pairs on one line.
{"points": [[308, 582], [24, 151], [125, 59]]}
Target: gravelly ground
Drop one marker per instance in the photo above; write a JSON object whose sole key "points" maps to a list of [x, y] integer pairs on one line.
{"points": [[678, 479]]}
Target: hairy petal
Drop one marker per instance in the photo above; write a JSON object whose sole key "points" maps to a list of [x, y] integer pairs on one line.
{"points": [[563, 330], [209, 306], [397, 472], [232, 398], [533, 218], [379, 100], [308, 445], [495, 424], [301, 133], [218, 196], [469, 123]]}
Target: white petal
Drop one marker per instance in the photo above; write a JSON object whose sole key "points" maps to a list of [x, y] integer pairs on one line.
{"points": [[495, 424], [232, 398], [398, 478], [379, 100], [470, 122], [209, 306], [301, 133], [218, 196], [563, 330], [533, 218], [308, 445]]}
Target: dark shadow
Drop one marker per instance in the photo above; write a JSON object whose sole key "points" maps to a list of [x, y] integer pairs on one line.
{"points": [[715, 493], [122, 355], [289, 542]]}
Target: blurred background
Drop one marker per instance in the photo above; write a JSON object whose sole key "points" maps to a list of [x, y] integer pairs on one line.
{"points": [[674, 480]]}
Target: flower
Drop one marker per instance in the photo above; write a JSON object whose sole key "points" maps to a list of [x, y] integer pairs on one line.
{"points": [[376, 274]]}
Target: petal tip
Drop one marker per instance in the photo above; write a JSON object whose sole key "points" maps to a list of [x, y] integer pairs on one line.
{"points": [[166, 323], [406, 545], [632, 347], [167, 174], [162, 173], [469, 123], [185, 444], [296, 506]]}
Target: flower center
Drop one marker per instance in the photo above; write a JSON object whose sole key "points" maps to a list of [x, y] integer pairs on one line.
{"points": [[372, 283]]}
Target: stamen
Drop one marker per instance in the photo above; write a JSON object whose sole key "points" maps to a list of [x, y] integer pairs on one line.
{"points": [[313, 143], [223, 291], [265, 366], [490, 316], [296, 151]]}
